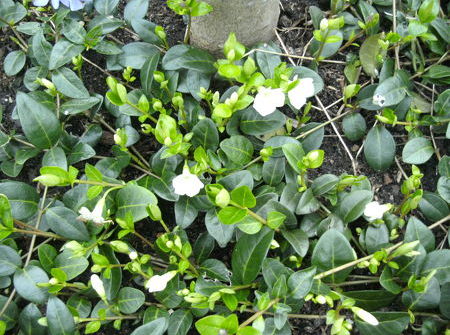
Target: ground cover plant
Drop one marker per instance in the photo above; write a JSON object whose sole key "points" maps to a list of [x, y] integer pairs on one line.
{"points": [[195, 195]]}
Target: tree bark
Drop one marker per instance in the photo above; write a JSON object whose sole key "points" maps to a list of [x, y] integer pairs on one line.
{"points": [[253, 21]]}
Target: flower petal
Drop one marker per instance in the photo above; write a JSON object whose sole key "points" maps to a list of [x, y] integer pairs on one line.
{"points": [[40, 3], [296, 99]]}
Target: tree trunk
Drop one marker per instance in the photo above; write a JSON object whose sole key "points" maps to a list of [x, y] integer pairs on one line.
{"points": [[253, 21]]}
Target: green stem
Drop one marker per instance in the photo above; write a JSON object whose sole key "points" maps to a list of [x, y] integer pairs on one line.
{"points": [[110, 318], [150, 244], [322, 45], [39, 233], [97, 183], [249, 212], [163, 224], [191, 266], [259, 313]]}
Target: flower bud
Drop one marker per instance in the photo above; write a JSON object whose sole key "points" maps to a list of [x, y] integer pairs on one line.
{"points": [[324, 24]]}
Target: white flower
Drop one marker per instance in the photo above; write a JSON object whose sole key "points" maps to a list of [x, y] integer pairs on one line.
{"points": [[365, 316], [133, 255], [94, 216], [187, 183], [378, 100], [158, 283], [232, 99], [374, 210], [303, 90], [268, 99], [97, 285]]}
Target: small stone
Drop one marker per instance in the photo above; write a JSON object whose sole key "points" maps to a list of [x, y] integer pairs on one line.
{"points": [[387, 179]]}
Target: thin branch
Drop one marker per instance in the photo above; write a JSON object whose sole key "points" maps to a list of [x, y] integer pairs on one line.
{"points": [[338, 134]]}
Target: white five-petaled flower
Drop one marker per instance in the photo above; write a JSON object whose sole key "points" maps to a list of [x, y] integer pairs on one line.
{"points": [[303, 90], [133, 255], [268, 99], [187, 183], [374, 210], [365, 316], [158, 283], [98, 287], [72, 4], [96, 215], [378, 100]]}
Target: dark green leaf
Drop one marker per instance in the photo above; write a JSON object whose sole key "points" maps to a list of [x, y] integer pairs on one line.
{"points": [[71, 264], [64, 222], [433, 206], [106, 7], [135, 54], [25, 283], [134, 199], [252, 123], [300, 283], [130, 300], [298, 239], [22, 197], [222, 233], [69, 84], [238, 149], [185, 212], [428, 299], [331, 251], [417, 151], [63, 52], [10, 314], [135, 9], [187, 57], [10, 260], [60, 320], [354, 126], [180, 322], [248, 255], [205, 134], [14, 62], [379, 148], [28, 321], [417, 231], [371, 300], [40, 125], [147, 70], [352, 205]]}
